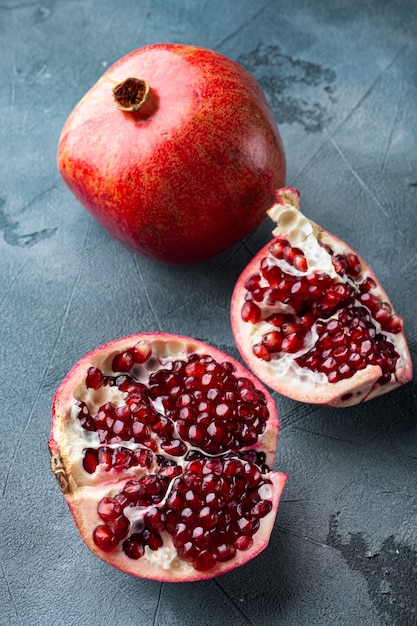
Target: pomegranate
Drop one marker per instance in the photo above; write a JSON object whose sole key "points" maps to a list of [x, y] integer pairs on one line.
{"points": [[311, 319], [174, 151], [163, 448]]}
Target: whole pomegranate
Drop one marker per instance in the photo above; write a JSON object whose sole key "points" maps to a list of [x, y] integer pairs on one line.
{"points": [[174, 151], [163, 448], [311, 319]]}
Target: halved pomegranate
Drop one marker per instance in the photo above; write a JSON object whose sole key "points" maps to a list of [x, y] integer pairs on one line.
{"points": [[311, 319], [163, 448]]}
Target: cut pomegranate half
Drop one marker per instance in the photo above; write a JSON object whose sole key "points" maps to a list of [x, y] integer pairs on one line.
{"points": [[163, 448], [311, 319]]}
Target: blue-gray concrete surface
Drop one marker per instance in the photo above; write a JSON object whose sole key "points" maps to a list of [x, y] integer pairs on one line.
{"points": [[341, 78]]}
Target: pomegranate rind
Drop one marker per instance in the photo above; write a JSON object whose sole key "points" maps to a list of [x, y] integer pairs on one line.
{"points": [[187, 181], [299, 385], [82, 491]]}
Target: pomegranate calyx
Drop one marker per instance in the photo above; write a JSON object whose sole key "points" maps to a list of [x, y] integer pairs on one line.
{"points": [[59, 472], [131, 94]]}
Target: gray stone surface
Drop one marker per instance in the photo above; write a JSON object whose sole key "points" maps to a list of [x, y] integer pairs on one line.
{"points": [[342, 81]]}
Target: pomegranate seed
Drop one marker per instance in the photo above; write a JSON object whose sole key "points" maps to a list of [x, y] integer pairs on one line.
{"points": [[152, 539], [225, 552], [204, 561], [243, 543], [134, 491], [119, 527], [90, 460], [176, 447], [133, 546], [104, 538], [105, 457], [108, 508], [292, 343], [252, 282], [278, 248], [367, 284], [94, 378], [155, 519], [272, 341], [188, 551], [261, 508], [261, 352], [122, 362], [141, 351]]}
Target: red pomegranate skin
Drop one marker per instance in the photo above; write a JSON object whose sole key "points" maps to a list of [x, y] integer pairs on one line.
{"points": [[190, 173]]}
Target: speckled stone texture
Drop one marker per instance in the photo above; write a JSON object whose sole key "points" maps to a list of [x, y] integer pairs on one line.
{"points": [[341, 79]]}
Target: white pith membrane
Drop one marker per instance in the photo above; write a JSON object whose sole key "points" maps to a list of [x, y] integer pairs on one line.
{"points": [[84, 491], [282, 372]]}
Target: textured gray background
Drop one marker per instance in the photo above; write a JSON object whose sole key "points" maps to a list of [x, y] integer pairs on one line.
{"points": [[341, 78]]}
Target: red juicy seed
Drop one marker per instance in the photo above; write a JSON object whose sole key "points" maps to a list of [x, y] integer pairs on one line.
{"points": [[200, 537], [394, 324], [367, 285], [354, 267], [176, 447], [105, 457], [339, 264], [141, 351], [213, 467], [188, 551], [142, 457], [163, 426], [195, 466], [252, 282], [135, 491], [170, 472], [225, 552], [278, 319], [292, 343], [261, 352], [152, 539], [195, 368], [329, 364], [108, 508], [121, 430], [272, 273], [261, 508], [251, 312], [272, 341], [122, 458], [119, 527], [90, 460], [122, 362], [133, 546], [94, 378], [104, 538], [153, 484], [369, 300], [192, 499], [175, 500], [356, 361], [155, 519], [181, 535], [243, 543], [207, 518], [278, 248], [204, 561], [300, 263], [140, 432]]}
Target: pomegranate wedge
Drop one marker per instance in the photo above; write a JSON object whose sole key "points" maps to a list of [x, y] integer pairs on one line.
{"points": [[311, 319], [163, 448]]}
